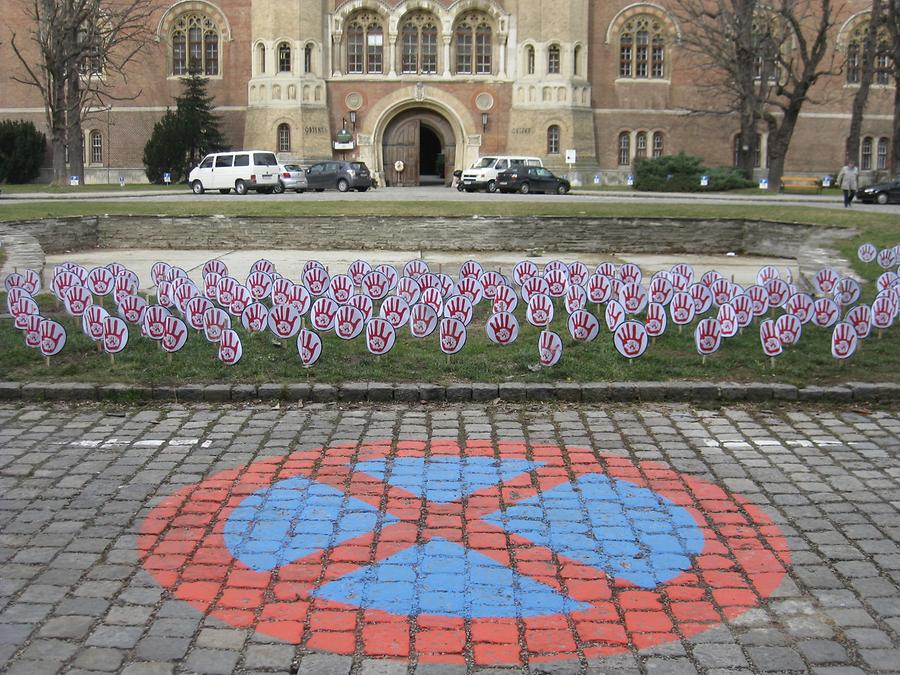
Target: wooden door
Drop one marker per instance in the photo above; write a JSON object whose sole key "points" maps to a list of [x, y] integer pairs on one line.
{"points": [[401, 143]]}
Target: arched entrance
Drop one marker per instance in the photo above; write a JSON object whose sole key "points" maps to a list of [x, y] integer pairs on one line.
{"points": [[424, 141]]}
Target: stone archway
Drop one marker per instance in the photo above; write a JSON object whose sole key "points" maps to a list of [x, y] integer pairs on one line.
{"points": [[425, 142]]}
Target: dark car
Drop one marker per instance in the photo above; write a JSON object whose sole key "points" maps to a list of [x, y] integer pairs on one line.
{"points": [[339, 175], [527, 179], [882, 193]]}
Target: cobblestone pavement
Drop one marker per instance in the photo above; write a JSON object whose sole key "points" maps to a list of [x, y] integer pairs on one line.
{"points": [[448, 539]]}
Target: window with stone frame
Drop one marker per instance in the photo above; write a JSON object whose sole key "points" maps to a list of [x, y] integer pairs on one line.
{"points": [[640, 145], [642, 48], [365, 44], [92, 62], [96, 148], [419, 44], [882, 159], [284, 137], [658, 144], [855, 45], [865, 152], [553, 139], [757, 156], [576, 60], [308, 59], [473, 42], [769, 41], [529, 60], [195, 45], [284, 57], [624, 148], [553, 60]]}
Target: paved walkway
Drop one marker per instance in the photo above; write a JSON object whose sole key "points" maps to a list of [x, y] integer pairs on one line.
{"points": [[448, 539]]}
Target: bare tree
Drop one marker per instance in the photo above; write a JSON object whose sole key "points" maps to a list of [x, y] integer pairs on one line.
{"points": [[760, 60], [892, 22], [864, 72], [79, 55]]}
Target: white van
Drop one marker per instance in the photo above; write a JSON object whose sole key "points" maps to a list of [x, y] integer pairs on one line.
{"points": [[483, 174], [238, 171]]}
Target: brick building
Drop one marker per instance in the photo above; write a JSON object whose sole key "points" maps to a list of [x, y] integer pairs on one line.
{"points": [[438, 83]]}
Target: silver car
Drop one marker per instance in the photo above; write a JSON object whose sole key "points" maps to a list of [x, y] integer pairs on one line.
{"points": [[291, 177]]}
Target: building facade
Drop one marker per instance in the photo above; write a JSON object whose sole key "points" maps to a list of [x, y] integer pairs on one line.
{"points": [[439, 83]]}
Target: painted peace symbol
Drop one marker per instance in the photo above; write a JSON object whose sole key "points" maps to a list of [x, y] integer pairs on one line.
{"points": [[480, 535]]}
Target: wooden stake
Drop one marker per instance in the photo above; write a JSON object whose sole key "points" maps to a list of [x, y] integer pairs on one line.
{"points": [[772, 362], [112, 358], [703, 360], [169, 357], [47, 361]]}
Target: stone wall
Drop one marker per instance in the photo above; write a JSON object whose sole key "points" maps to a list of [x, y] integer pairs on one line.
{"points": [[58, 235], [593, 235]]}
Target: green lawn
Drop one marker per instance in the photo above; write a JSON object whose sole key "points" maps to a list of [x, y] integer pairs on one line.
{"points": [[287, 208], [672, 357]]}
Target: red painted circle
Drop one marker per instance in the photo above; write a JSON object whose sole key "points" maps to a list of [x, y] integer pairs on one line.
{"points": [[182, 546]]}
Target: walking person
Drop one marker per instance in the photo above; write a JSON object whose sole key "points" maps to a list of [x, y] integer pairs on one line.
{"points": [[848, 179]]}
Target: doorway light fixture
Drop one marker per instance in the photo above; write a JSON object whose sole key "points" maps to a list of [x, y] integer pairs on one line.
{"points": [[353, 120], [484, 121]]}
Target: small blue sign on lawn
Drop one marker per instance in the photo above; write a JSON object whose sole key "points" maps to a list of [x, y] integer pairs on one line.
{"points": [[73, 181], [763, 183], [629, 180], [167, 177], [826, 181], [704, 181], [597, 179]]}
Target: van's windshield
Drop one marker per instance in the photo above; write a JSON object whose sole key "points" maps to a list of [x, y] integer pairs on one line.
{"points": [[485, 163]]}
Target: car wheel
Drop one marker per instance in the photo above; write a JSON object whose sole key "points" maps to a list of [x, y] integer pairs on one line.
{"points": [[524, 188], [197, 187], [882, 198], [343, 185], [240, 187], [279, 188], [460, 188], [492, 186], [225, 191], [562, 189]]}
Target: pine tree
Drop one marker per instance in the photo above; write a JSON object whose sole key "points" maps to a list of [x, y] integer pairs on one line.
{"points": [[199, 125], [183, 137], [165, 150]]}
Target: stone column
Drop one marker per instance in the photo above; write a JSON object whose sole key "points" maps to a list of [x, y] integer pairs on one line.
{"points": [[447, 39], [336, 55], [392, 51]]}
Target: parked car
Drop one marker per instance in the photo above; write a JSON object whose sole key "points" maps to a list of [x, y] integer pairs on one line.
{"points": [[882, 193], [527, 179], [291, 177], [238, 171], [483, 174], [339, 175]]}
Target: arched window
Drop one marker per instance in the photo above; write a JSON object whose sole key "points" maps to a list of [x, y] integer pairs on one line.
{"points": [[640, 145], [474, 45], [658, 144], [553, 60], [529, 60], [553, 140], [365, 45], [284, 138], [195, 46], [769, 41], [855, 46], [419, 44], [642, 48], [576, 60], [624, 149], [882, 154], [284, 58], [865, 152], [96, 148], [308, 59]]}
